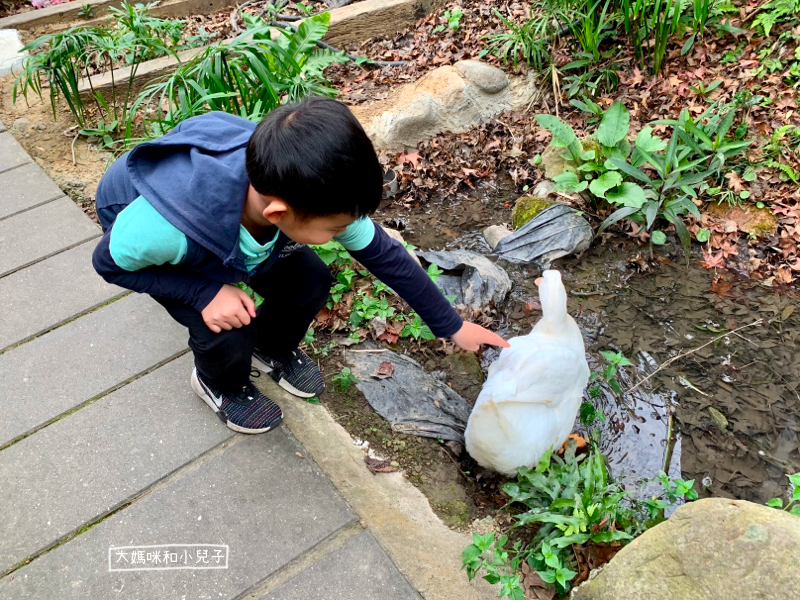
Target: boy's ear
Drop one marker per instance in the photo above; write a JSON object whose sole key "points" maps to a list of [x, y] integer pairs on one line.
{"points": [[275, 210]]}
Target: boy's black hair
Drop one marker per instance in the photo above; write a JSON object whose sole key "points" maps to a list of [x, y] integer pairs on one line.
{"points": [[315, 156]]}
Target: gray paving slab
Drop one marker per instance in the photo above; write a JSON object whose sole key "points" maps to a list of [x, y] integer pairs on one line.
{"points": [[25, 187], [257, 497], [359, 570], [51, 374], [11, 153], [49, 292], [96, 458], [38, 233]]}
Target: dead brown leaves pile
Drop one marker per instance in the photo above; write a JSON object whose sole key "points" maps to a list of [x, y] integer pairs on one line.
{"points": [[496, 155]]}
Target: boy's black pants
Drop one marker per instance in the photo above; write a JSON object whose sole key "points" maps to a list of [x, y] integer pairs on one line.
{"points": [[294, 290]]}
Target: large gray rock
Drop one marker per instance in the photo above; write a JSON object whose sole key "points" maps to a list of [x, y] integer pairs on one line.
{"points": [[712, 549], [473, 279], [449, 98]]}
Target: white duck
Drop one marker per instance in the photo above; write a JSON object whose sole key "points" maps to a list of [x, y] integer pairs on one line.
{"points": [[533, 393]]}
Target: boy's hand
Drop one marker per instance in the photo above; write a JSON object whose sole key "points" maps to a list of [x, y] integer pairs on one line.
{"points": [[230, 308], [471, 336]]}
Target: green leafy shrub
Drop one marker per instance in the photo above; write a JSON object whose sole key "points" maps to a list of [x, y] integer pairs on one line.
{"points": [[793, 505], [610, 168], [575, 502], [63, 59], [775, 11], [248, 76]]}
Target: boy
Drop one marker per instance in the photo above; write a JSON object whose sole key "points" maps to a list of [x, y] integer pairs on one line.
{"points": [[212, 220]]}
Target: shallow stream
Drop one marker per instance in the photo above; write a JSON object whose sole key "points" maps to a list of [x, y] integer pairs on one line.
{"points": [[735, 401]]}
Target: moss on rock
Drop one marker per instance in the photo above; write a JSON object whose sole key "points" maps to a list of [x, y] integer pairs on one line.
{"points": [[526, 208]]}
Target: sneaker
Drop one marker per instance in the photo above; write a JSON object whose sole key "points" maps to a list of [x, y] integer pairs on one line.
{"points": [[246, 411], [294, 372]]}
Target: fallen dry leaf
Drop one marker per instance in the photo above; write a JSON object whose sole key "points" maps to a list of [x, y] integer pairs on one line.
{"points": [[384, 370], [376, 465]]}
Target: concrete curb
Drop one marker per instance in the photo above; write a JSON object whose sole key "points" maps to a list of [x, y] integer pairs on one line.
{"points": [[425, 550]]}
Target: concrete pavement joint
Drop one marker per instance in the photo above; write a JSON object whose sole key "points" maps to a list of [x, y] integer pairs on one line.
{"points": [[312, 556], [41, 258], [56, 197], [178, 473], [66, 321], [7, 169], [92, 400]]}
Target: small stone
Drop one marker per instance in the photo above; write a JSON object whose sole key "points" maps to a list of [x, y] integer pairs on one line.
{"points": [[494, 233], [526, 208], [21, 125], [41, 126], [486, 77], [395, 464]]}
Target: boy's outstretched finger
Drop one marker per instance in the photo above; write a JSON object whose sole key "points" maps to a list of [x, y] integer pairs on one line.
{"points": [[492, 339]]}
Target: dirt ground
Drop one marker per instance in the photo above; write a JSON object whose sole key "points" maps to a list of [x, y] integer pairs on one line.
{"points": [[74, 163]]}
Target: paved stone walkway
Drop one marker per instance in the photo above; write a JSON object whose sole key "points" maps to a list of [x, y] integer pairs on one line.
{"points": [[104, 447]]}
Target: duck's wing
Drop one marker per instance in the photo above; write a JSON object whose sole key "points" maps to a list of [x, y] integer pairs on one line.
{"points": [[542, 375]]}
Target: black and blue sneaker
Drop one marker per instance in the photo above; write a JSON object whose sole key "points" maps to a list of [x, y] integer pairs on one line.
{"points": [[294, 372], [245, 411]]}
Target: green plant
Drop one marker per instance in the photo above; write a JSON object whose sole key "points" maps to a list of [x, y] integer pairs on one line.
{"points": [[248, 76], [417, 329], [592, 27], [529, 40], [576, 503], [609, 373], [588, 414], [63, 59], [303, 9], [603, 166], [86, 11], [487, 554], [343, 380], [775, 11], [453, 19], [792, 505], [650, 25], [783, 148]]}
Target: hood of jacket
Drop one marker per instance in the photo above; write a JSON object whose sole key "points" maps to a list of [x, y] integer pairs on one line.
{"points": [[195, 177]]}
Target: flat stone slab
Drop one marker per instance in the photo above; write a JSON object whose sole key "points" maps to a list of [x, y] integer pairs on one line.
{"points": [[257, 497], [61, 369], [41, 232], [25, 187], [96, 458], [53, 290], [11, 153], [359, 570]]}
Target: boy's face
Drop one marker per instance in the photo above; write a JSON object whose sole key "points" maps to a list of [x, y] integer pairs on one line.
{"points": [[269, 210], [314, 230]]}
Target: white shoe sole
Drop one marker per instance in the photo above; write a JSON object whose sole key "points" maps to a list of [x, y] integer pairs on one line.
{"points": [[265, 368], [198, 389]]}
